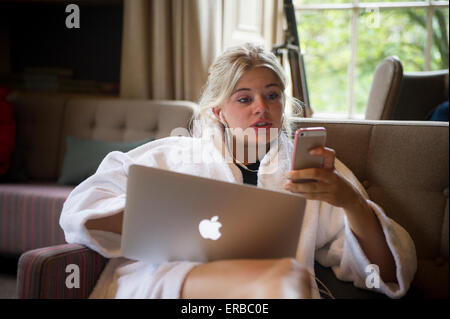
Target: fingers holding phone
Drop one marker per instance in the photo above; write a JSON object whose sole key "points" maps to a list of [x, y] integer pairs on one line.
{"points": [[309, 152], [311, 162], [328, 155], [313, 173]]}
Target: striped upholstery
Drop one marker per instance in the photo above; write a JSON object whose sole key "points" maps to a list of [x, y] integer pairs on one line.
{"points": [[29, 216], [42, 272]]}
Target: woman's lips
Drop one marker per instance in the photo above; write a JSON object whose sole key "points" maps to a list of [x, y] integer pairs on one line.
{"points": [[267, 124], [263, 126]]}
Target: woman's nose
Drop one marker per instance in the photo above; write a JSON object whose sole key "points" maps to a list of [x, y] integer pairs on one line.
{"points": [[260, 105]]}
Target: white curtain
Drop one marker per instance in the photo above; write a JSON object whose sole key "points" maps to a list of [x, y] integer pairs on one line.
{"points": [[167, 47]]}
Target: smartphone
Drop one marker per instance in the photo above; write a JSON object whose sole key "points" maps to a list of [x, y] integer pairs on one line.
{"points": [[305, 140]]}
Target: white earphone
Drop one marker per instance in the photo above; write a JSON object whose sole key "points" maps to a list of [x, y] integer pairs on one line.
{"points": [[222, 120]]}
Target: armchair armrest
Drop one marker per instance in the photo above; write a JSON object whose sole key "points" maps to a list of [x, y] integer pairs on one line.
{"points": [[42, 272]]}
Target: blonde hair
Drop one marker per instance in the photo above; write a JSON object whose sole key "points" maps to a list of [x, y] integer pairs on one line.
{"points": [[223, 76]]}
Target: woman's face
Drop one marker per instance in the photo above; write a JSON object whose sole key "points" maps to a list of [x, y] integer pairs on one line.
{"points": [[256, 103]]}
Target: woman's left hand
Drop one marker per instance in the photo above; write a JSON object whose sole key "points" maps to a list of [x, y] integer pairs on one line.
{"points": [[329, 185]]}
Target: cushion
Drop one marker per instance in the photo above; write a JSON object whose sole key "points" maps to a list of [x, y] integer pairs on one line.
{"points": [[83, 156]]}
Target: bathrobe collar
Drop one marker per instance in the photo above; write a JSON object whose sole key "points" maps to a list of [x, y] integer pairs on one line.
{"points": [[273, 166]]}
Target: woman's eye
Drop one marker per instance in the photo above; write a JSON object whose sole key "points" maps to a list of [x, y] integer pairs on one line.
{"points": [[244, 100], [272, 96]]}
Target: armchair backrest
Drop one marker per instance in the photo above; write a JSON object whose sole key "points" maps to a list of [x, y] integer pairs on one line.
{"points": [[399, 95], [385, 88], [419, 94], [122, 120]]}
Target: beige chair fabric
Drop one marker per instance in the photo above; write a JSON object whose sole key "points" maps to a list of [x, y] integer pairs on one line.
{"points": [[398, 95], [384, 91], [404, 167]]}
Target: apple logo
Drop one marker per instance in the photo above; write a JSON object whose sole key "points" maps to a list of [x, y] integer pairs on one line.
{"points": [[209, 229]]}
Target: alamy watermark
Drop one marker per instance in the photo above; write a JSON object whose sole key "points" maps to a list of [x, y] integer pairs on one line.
{"points": [[372, 18], [73, 19], [73, 279], [373, 276]]}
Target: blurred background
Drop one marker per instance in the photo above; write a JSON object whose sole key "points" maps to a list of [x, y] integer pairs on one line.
{"points": [[342, 42]]}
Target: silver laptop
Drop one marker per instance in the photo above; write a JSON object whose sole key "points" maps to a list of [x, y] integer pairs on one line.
{"points": [[171, 217]]}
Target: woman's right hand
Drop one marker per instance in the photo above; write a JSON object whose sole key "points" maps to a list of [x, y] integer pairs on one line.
{"points": [[255, 279]]}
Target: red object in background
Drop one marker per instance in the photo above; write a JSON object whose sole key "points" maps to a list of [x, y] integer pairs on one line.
{"points": [[7, 131]]}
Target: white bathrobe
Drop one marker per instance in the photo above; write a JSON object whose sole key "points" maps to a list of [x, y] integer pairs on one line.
{"points": [[325, 235]]}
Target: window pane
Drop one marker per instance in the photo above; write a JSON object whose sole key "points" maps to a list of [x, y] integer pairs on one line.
{"points": [[439, 51], [325, 41], [400, 32]]}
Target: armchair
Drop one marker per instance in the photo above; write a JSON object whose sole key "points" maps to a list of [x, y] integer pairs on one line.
{"points": [[398, 95]]}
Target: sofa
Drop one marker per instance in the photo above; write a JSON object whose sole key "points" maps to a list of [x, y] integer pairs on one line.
{"points": [[32, 200], [403, 166]]}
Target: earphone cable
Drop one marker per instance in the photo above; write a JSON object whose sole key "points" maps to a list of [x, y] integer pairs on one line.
{"points": [[227, 141]]}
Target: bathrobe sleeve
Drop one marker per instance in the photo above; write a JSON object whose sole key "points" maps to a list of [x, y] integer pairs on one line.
{"points": [[338, 248], [103, 194]]}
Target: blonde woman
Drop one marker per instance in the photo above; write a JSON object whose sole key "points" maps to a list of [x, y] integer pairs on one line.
{"points": [[342, 228]]}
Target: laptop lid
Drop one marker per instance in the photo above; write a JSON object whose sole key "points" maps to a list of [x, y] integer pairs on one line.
{"points": [[171, 216]]}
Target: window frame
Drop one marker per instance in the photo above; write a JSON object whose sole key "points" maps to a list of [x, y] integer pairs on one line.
{"points": [[355, 6]]}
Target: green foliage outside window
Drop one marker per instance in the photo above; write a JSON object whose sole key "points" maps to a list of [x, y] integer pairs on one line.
{"points": [[325, 40]]}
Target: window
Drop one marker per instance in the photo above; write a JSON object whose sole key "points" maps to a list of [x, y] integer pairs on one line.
{"points": [[344, 40]]}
